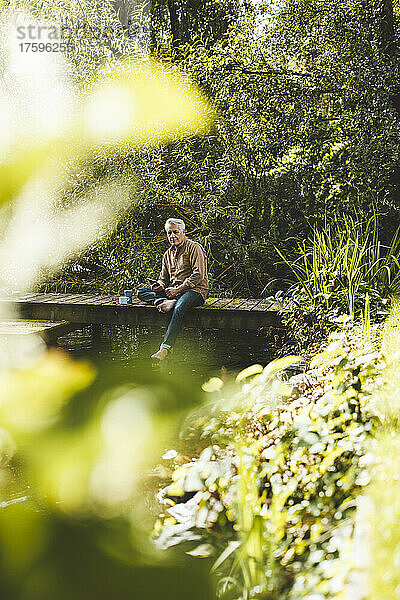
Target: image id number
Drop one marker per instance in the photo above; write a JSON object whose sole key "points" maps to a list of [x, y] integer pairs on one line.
{"points": [[42, 47]]}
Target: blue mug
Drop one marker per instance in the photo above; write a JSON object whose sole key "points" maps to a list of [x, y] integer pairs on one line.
{"points": [[129, 294]]}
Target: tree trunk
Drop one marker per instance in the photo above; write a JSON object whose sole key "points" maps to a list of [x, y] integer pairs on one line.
{"points": [[384, 14], [174, 22]]}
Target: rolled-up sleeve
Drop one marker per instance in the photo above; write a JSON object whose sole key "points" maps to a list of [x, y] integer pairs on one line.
{"points": [[164, 277], [198, 263]]}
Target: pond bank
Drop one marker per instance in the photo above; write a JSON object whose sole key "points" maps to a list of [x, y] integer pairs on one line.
{"points": [[271, 500]]}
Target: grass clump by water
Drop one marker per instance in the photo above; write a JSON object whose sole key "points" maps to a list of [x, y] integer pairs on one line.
{"points": [[343, 268]]}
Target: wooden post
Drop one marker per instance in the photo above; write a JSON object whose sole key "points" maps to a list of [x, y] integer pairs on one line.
{"points": [[96, 334]]}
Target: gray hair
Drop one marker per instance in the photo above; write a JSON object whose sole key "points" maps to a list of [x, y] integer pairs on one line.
{"points": [[178, 222]]}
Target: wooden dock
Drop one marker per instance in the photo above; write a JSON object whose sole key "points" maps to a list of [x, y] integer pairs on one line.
{"points": [[217, 313], [49, 331]]}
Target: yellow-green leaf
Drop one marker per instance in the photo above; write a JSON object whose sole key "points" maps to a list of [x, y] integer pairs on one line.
{"points": [[212, 385], [248, 372]]}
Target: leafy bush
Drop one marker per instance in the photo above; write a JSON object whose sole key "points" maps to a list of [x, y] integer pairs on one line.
{"points": [[272, 496]]}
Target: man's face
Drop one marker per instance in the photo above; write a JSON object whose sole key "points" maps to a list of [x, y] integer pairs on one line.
{"points": [[175, 234]]}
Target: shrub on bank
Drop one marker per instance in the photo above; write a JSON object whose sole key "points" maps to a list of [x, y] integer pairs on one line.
{"points": [[271, 499]]}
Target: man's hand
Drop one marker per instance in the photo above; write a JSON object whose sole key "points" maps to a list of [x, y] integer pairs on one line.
{"points": [[156, 287], [172, 292]]}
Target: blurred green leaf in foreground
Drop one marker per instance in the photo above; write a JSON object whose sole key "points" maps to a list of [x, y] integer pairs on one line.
{"points": [[75, 532]]}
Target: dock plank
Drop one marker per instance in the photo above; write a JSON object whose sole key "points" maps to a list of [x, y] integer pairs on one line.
{"points": [[218, 303], [106, 300]]}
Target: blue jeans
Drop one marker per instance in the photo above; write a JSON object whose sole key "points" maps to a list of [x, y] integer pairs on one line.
{"points": [[184, 302]]}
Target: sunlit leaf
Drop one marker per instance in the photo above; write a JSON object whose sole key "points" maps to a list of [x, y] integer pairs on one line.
{"points": [[280, 364], [202, 551], [170, 454], [248, 372], [37, 393], [145, 104], [326, 357], [214, 384]]}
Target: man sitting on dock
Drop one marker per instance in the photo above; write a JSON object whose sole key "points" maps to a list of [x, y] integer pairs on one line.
{"points": [[182, 284]]}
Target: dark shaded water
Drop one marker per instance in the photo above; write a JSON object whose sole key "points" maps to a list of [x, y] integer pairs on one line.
{"points": [[200, 353]]}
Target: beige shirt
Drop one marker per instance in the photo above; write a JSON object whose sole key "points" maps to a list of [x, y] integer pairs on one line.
{"points": [[185, 265]]}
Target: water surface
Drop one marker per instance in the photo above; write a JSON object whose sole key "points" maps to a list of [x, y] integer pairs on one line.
{"points": [[201, 353]]}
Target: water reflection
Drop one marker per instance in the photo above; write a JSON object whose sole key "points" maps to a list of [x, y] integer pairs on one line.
{"points": [[200, 353]]}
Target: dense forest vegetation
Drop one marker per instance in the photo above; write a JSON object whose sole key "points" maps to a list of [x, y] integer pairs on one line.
{"points": [[308, 101]]}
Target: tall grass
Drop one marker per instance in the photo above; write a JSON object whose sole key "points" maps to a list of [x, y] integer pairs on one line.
{"points": [[337, 266]]}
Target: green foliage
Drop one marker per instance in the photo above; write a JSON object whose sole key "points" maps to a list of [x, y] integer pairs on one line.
{"points": [[337, 269], [271, 498], [66, 429], [379, 517], [308, 127], [94, 33]]}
